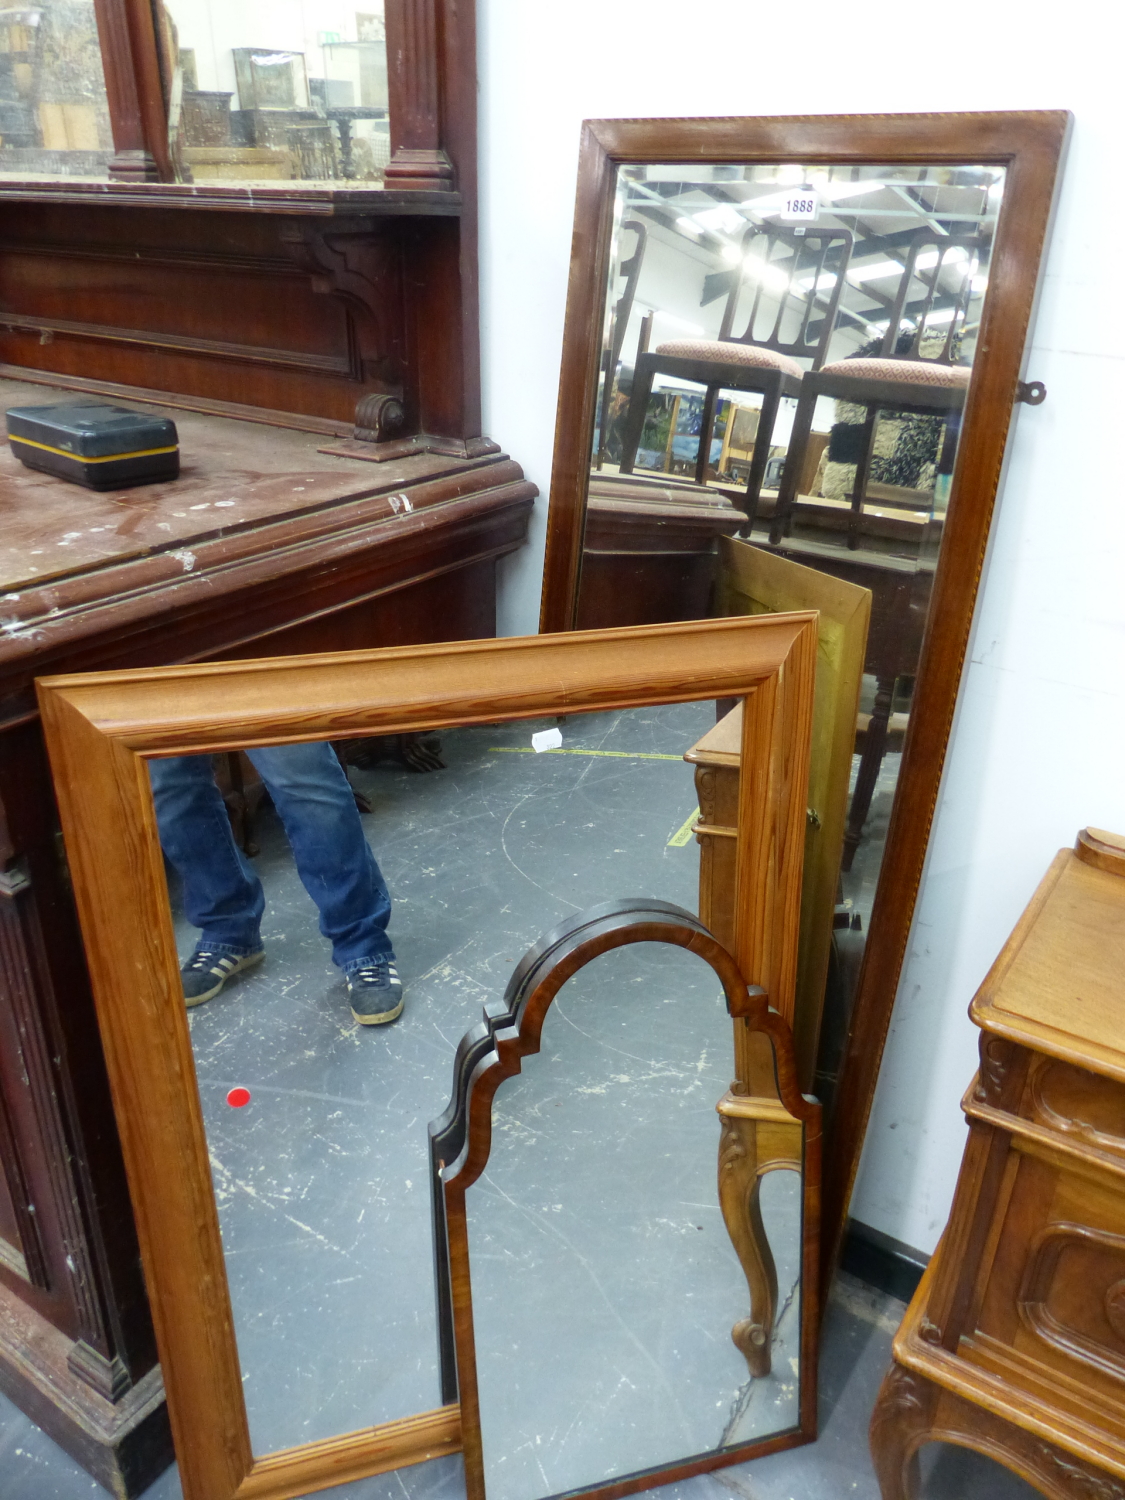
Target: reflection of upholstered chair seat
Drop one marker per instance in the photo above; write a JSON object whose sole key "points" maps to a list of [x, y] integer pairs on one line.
{"points": [[902, 372], [726, 352], [902, 385], [783, 328]]}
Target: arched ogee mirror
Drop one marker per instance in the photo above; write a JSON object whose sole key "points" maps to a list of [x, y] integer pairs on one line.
{"points": [[791, 446], [591, 1284], [102, 730]]}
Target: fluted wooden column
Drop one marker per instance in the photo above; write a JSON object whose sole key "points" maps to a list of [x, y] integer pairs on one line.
{"points": [[418, 158], [137, 109]]}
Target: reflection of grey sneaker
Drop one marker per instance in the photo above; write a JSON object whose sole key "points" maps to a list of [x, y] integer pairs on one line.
{"points": [[205, 972], [375, 992]]}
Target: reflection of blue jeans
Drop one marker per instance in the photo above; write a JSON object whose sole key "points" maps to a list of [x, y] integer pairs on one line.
{"points": [[223, 895]]}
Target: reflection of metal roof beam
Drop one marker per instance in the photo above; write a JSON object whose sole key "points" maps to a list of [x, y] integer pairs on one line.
{"points": [[901, 213], [941, 219], [858, 318], [908, 195], [940, 304]]}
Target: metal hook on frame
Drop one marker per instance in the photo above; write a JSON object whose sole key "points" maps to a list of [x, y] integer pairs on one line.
{"points": [[1034, 392]]}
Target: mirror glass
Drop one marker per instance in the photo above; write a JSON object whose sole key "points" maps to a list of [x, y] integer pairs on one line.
{"points": [[54, 115], [264, 95], [316, 1124], [785, 355], [605, 1285]]}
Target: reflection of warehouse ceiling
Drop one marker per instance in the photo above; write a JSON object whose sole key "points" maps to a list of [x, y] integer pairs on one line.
{"points": [[705, 222]]}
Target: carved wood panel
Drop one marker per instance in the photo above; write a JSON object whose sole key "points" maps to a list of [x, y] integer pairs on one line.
{"points": [[1055, 1284], [190, 302], [1073, 1295], [1078, 1104]]}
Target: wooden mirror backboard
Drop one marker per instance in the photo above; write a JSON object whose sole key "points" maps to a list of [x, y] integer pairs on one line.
{"points": [[807, 333]]}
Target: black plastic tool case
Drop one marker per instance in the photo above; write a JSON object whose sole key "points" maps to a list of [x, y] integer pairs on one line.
{"points": [[102, 447]]}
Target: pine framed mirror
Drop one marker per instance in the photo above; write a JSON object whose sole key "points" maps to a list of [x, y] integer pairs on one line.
{"points": [[807, 332], [102, 729]]}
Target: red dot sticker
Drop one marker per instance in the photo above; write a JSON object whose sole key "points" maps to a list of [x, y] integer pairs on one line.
{"points": [[238, 1098]]}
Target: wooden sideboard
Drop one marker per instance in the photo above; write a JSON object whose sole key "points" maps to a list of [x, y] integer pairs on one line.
{"points": [[1014, 1343], [648, 553], [270, 543]]}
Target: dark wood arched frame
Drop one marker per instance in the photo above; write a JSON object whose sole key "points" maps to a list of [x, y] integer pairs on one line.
{"points": [[1029, 145], [101, 728], [461, 1140]]}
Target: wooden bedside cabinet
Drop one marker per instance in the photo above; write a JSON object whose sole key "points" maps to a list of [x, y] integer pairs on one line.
{"points": [[1014, 1343]]}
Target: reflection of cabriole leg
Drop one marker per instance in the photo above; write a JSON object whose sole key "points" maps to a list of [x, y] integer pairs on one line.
{"points": [[739, 1186]]}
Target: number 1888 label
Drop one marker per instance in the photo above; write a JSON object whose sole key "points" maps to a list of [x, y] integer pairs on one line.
{"points": [[801, 204]]}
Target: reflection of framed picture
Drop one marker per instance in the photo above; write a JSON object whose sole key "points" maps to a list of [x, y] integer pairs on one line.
{"points": [[268, 79], [370, 26]]}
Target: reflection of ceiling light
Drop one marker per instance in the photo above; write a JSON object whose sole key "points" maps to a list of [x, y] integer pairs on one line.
{"points": [[732, 254], [874, 269], [979, 283], [724, 219], [689, 227], [824, 283], [956, 255], [836, 190], [769, 275], [768, 203]]}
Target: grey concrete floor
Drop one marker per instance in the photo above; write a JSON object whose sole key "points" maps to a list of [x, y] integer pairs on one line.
{"points": [[858, 1329], [601, 1269]]}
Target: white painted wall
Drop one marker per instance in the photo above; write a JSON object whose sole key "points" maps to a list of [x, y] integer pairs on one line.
{"points": [[1038, 744]]}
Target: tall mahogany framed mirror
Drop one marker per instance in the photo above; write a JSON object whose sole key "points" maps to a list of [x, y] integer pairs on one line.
{"points": [[231, 1115], [807, 333]]}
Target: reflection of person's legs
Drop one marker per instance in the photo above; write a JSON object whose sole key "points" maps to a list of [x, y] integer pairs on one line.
{"points": [[317, 808], [222, 895]]}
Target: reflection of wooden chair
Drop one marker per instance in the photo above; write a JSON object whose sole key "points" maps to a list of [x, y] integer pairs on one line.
{"points": [[899, 378], [796, 275], [894, 646], [618, 323]]}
